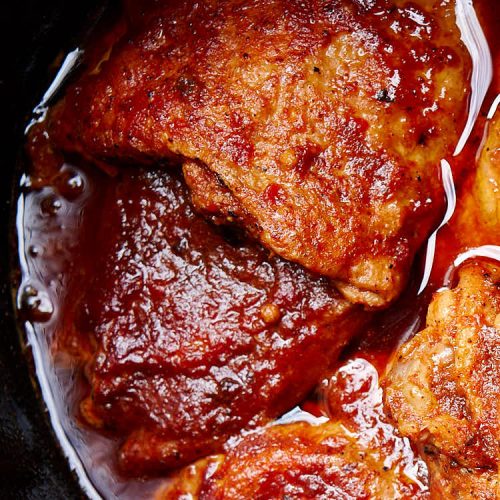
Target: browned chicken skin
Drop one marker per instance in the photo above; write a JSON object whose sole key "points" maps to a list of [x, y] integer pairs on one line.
{"points": [[199, 334], [443, 389], [479, 208], [357, 454], [486, 189], [318, 126]]}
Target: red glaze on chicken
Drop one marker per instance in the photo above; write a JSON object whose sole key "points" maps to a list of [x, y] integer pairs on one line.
{"points": [[198, 332], [443, 390], [317, 126]]}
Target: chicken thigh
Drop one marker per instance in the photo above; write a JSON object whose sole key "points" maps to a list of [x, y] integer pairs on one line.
{"points": [[355, 454], [318, 126], [198, 332], [443, 390]]}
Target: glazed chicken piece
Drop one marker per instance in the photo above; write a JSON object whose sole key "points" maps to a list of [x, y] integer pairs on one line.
{"points": [[487, 182], [357, 454], [198, 333], [480, 206], [443, 390], [318, 126]]}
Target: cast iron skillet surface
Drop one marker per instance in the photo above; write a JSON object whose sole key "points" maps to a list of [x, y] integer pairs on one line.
{"points": [[32, 34]]}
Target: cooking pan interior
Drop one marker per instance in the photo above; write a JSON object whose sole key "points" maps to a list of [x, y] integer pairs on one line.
{"points": [[33, 35]]}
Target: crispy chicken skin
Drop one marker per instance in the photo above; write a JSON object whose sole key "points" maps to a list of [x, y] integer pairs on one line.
{"points": [[443, 389], [318, 125], [351, 456], [198, 333]]}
